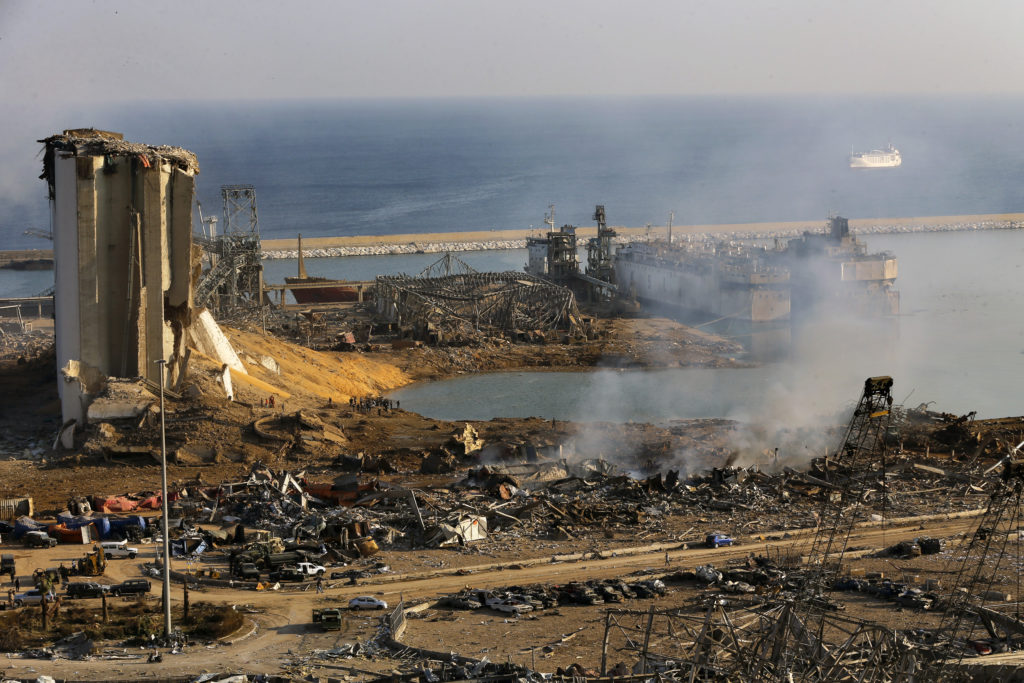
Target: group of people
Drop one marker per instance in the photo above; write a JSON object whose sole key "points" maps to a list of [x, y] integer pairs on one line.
{"points": [[270, 402], [366, 404]]}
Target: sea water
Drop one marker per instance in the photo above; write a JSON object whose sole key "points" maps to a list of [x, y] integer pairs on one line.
{"points": [[957, 345], [959, 342], [389, 167], [325, 168]]}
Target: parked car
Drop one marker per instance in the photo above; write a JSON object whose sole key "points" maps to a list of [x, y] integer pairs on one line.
{"points": [[38, 539], [33, 597], [113, 549], [7, 563], [509, 606], [717, 540], [85, 589], [367, 602], [132, 587]]}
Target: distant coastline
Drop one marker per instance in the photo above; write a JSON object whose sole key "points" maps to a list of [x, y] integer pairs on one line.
{"points": [[369, 245]]}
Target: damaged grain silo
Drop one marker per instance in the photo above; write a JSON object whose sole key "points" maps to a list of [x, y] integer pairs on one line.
{"points": [[122, 240]]}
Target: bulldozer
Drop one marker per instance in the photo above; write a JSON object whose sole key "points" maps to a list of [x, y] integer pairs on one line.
{"points": [[94, 563]]}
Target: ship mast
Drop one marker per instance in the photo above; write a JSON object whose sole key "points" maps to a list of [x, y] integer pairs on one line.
{"points": [[549, 217], [302, 265]]}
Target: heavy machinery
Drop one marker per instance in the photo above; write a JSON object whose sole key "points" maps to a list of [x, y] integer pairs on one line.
{"points": [[93, 564]]}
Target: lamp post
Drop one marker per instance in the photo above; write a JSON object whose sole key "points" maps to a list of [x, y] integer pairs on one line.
{"points": [[164, 504]]}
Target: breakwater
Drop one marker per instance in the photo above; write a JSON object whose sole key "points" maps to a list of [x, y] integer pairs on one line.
{"points": [[733, 232]]}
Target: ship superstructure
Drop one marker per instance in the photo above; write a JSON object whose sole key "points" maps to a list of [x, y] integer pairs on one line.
{"points": [[889, 157], [834, 272]]}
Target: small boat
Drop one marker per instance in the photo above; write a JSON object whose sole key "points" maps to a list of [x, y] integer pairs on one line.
{"points": [[877, 158], [331, 291]]}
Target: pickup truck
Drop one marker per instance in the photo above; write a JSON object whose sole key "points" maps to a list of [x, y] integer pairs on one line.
{"points": [[717, 540], [287, 574], [329, 618], [310, 569]]}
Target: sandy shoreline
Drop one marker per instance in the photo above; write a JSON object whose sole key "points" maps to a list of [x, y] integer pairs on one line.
{"points": [[481, 236]]}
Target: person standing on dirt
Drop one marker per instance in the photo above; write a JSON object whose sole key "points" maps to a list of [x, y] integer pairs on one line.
{"points": [[319, 584]]}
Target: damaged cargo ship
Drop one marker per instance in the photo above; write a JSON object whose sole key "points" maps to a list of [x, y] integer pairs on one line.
{"points": [[711, 277], [757, 284], [319, 290], [834, 271]]}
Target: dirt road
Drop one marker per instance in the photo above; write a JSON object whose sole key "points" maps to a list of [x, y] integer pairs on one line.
{"points": [[284, 638]]}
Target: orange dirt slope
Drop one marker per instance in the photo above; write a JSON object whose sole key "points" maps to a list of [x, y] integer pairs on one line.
{"points": [[315, 374]]}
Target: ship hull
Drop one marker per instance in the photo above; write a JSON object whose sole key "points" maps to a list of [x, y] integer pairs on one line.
{"points": [[889, 157], [857, 162], [331, 291], [702, 290]]}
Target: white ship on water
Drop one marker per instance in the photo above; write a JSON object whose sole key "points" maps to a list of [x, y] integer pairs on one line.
{"points": [[876, 158]]}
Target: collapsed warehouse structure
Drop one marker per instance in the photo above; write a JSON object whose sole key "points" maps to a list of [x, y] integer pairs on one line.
{"points": [[457, 306]]}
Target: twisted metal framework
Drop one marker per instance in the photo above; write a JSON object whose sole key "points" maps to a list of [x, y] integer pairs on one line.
{"points": [[235, 278], [464, 306], [757, 644], [449, 264], [863, 445], [984, 564]]}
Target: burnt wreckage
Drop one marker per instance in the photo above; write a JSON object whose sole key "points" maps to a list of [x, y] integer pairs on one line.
{"points": [[444, 306]]}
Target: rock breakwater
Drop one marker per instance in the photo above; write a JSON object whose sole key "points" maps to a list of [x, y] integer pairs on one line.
{"points": [[765, 232]]}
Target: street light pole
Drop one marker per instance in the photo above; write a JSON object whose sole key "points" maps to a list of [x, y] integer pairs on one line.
{"points": [[165, 505]]}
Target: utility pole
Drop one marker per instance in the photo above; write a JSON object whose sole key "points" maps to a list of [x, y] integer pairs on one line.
{"points": [[165, 504], [671, 215]]}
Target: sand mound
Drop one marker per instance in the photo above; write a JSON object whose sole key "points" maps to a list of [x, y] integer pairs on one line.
{"points": [[315, 374]]}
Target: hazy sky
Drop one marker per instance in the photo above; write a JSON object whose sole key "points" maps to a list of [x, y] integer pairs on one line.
{"points": [[105, 50], [63, 63]]}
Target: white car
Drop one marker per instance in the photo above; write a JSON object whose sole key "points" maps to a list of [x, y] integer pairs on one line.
{"points": [[112, 549], [510, 607], [366, 602]]}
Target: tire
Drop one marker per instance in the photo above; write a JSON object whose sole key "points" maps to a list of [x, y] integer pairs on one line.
{"points": [[106, 556], [19, 603], [320, 573], [131, 556], [116, 594]]}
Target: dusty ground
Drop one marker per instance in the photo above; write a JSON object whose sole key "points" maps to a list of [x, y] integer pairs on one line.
{"points": [[212, 439], [285, 642]]}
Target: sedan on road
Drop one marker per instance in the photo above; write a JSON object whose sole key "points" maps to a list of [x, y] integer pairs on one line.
{"points": [[366, 602]]}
